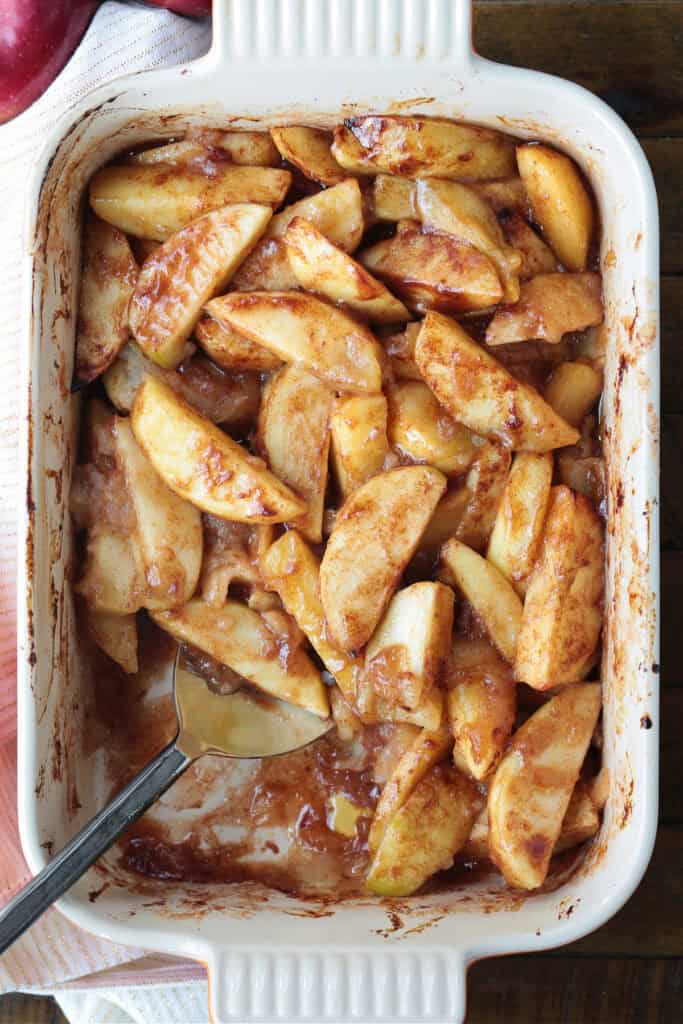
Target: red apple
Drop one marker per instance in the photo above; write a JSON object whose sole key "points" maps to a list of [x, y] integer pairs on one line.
{"points": [[193, 8], [37, 37]]}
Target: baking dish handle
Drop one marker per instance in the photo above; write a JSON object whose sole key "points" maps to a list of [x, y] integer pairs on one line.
{"points": [[375, 30], [344, 984]]}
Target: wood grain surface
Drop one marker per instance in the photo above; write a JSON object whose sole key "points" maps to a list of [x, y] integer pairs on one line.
{"points": [[631, 970]]}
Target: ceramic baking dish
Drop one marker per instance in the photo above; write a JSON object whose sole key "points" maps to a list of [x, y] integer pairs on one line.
{"points": [[271, 957]]}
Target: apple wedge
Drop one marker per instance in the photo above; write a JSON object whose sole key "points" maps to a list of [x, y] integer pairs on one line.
{"points": [[433, 270], [426, 750], [247, 149], [292, 570], [481, 703], [107, 282], [445, 519], [518, 528], [563, 609], [420, 429], [319, 266], [421, 147], [581, 822], [359, 440], [157, 201], [573, 390], [294, 437], [406, 652], [424, 836], [400, 348], [221, 397], [169, 530], [336, 212], [484, 486], [250, 149], [188, 269], [374, 708], [113, 578], [458, 210], [549, 306], [393, 198], [205, 466], [177, 154], [117, 636], [240, 638], [375, 535], [560, 202], [301, 329], [530, 792], [537, 257], [489, 593], [309, 150], [232, 350], [479, 392]]}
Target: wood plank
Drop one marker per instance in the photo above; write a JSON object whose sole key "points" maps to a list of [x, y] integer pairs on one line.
{"points": [[672, 482], [16, 1008], [626, 51], [665, 157], [672, 343], [671, 755], [670, 617], [649, 925], [567, 990]]}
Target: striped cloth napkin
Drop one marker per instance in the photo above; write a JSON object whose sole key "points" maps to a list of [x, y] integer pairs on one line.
{"points": [[122, 38]]}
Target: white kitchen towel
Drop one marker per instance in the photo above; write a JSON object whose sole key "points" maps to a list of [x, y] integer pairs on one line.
{"points": [[148, 1004], [121, 38]]}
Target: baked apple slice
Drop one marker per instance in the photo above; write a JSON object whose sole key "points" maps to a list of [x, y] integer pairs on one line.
{"points": [[479, 392], [149, 202], [426, 750], [421, 147], [518, 528], [107, 282], [424, 836], [433, 270], [336, 212], [530, 792], [240, 638], [309, 150], [375, 535], [319, 266], [191, 267], [458, 210], [205, 466], [560, 202], [563, 609], [303, 330], [294, 437], [359, 439], [406, 652], [488, 591], [549, 306]]}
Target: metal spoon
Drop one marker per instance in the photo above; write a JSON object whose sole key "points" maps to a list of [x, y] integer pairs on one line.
{"points": [[242, 724]]}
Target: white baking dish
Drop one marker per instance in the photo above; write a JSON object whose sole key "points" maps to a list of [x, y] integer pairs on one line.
{"points": [[269, 956]]}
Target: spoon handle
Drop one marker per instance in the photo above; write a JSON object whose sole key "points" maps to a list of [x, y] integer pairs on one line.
{"points": [[87, 845]]}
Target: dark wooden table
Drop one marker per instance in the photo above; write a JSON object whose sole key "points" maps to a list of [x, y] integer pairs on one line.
{"points": [[631, 970]]}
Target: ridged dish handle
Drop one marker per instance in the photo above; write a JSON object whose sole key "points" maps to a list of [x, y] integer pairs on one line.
{"points": [[346, 985], [296, 31]]}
